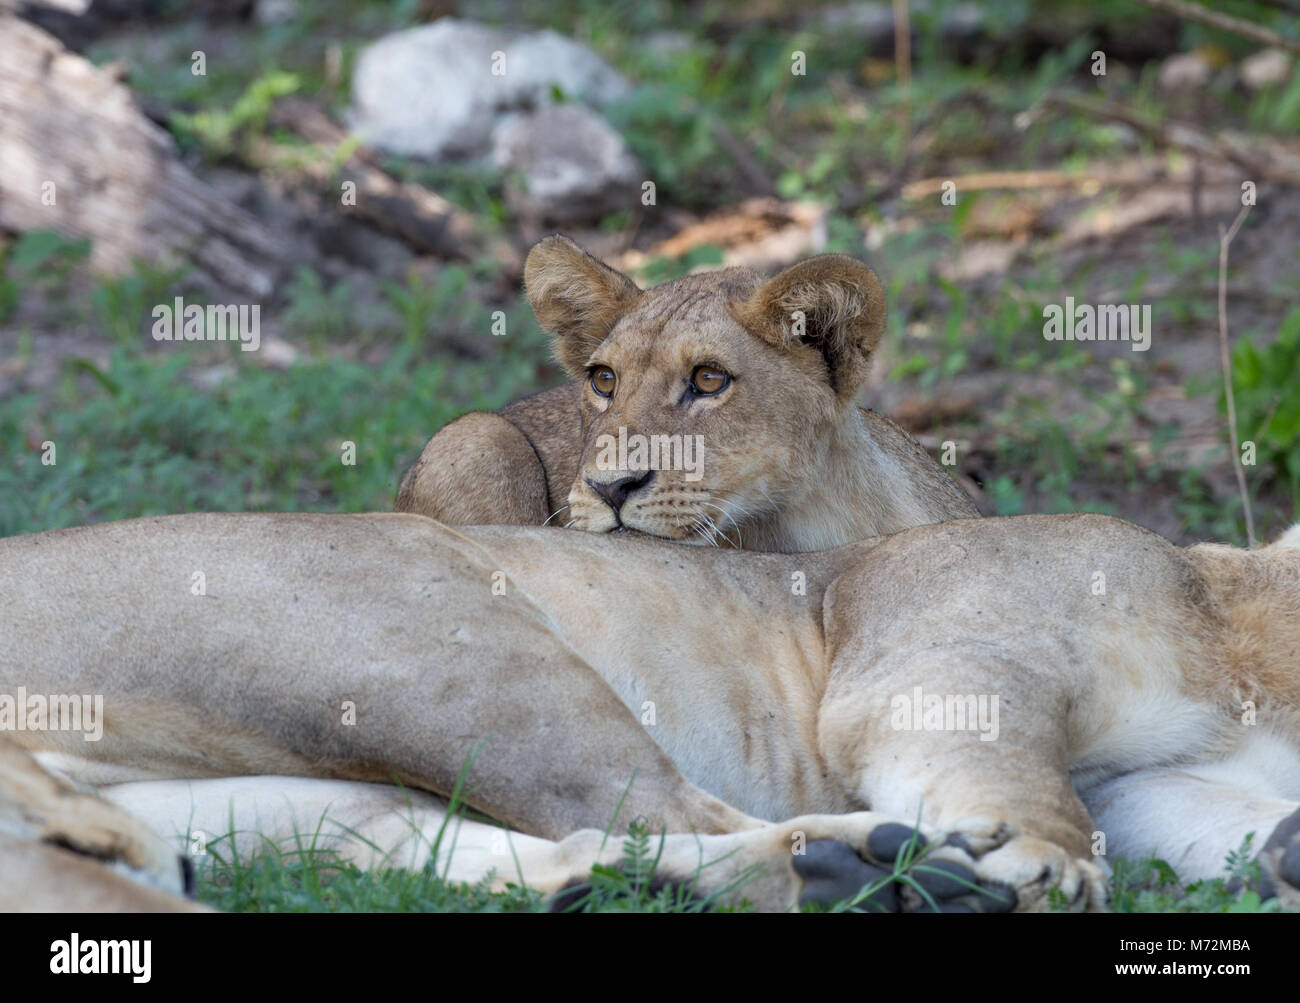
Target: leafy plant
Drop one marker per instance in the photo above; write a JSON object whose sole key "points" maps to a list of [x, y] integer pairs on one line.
{"points": [[1151, 885], [218, 132], [1266, 383], [316, 314], [40, 258], [663, 269], [122, 305], [422, 304]]}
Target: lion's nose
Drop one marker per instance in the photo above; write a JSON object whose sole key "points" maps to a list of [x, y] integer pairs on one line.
{"points": [[615, 492]]}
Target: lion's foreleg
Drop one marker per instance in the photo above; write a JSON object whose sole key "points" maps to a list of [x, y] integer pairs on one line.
{"points": [[973, 746]]}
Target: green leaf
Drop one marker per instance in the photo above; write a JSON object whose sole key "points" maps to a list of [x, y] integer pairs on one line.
{"points": [[1247, 367], [38, 247], [98, 375]]}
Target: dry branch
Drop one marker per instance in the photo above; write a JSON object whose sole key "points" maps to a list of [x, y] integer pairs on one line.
{"points": [[1224, 22], [991, 180], [1181, 136], [1225, 360]]}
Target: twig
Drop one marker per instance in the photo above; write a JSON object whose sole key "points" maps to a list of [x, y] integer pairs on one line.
{"points": [[1224, 22], [986, 180], [1288, 5], [1225, 359], [903, 62], [1182, 136], [759, 182]]}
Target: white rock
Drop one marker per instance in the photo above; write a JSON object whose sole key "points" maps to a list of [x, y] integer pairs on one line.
{"points": [[574, 166], [1185, 71], [431, 91], [1266, 68]]}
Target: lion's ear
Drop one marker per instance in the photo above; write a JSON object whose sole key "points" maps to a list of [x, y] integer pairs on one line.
{"points": [[575, 297], [833, 303]]}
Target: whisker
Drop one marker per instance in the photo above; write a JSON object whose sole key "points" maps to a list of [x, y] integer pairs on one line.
{"points": [[730, 518], [555, 513], [718, 528]]}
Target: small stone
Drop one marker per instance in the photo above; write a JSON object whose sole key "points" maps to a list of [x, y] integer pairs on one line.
{"points": [[574, 167], [1266, 68]]}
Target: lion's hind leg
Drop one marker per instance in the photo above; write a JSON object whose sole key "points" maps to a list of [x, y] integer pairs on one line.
{"points": [[63, 849]]}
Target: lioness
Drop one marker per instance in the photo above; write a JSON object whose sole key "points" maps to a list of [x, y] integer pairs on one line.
{"points": [[741, 392], [730, 687]]}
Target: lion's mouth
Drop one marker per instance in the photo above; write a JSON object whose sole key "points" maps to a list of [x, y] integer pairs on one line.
{"points": [[622, 530], [695, 532], [657, 529]]}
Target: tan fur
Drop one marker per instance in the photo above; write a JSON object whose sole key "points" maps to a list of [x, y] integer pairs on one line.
{"points": [[575, 296], [485, 449], [843, 307], [789, 462], [1252, 602], [544, 653], [65, 850]]}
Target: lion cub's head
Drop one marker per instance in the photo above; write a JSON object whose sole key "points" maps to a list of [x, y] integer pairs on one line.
{"points": [[709, 402]]}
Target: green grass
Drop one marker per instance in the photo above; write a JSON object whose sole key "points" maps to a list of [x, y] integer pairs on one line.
{"points": [[304, 877], [202, 427], [307, 878], [1151, 885], [139, 438]]}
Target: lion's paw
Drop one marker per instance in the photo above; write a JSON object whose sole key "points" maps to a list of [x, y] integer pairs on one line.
{"points": [[1279, 863], [890, 868], [868, 862], [980, 865], [1041, 875]]}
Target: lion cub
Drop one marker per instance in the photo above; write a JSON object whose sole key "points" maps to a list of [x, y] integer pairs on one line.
{"points": [[716, 408]]}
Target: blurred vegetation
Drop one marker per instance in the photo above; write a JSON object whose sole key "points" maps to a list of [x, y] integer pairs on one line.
{"points": [[204, 427], [1268, 400], [173, 432]]}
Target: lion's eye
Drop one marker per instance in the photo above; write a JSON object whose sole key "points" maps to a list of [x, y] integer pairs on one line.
{"points": [[602, 380], [709, 380]]}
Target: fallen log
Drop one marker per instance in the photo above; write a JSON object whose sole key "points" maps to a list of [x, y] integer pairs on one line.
{"points": [[80, 157], [420, 218]]}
